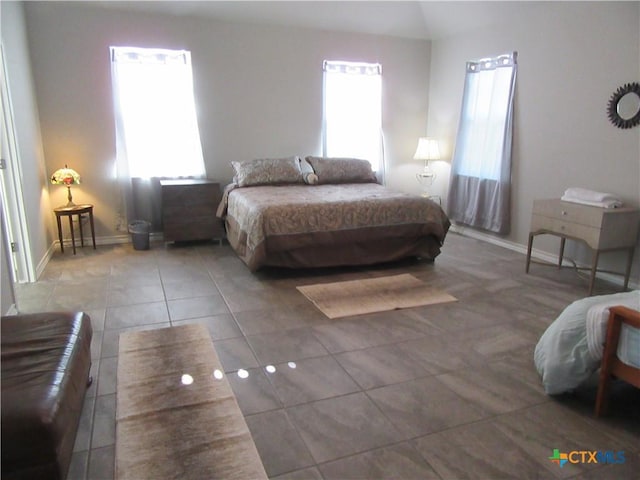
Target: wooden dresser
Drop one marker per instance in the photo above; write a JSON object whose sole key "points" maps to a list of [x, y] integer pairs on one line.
{"points": [[602, 229], [189, 210]]}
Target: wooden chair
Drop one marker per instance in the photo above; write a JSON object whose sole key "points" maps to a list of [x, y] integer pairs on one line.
{"points": [[611, 364]]}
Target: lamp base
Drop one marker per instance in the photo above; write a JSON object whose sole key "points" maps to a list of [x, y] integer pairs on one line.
{"points": [[425, 179], [69, 198]]}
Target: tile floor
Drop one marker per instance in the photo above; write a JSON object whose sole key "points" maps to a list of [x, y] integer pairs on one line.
{"points": [[439, 392]]}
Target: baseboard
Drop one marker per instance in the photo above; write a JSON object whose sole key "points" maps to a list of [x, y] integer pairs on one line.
{"points": [[537, 254], [111, 240], [12, 310], [42, 264]]}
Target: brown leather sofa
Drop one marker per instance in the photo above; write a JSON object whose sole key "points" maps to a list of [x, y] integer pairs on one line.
{"points": [[45, 366]]}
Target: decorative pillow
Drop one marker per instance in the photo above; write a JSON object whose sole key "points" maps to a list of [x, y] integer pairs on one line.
{"points": [[310, 178], [342, 170], [267, 171], [305, 166]]}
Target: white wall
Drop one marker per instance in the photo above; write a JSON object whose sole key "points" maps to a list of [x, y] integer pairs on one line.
{"points": [[27, 128], [572, 56], [258, 91]]}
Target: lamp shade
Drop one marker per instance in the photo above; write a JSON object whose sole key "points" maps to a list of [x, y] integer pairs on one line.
{"points": [[65, 176], [427, 149]]}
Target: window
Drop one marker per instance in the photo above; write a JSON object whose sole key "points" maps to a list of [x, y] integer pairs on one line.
{"points": [[484, 117], [156, 125], [479, 193], [352, 123]]}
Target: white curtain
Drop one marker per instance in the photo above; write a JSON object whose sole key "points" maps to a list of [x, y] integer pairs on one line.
{"points": [[352, 120], [480, 187], [157, 132]]}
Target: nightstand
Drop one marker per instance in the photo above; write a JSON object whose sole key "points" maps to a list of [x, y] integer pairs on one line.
{"points": [[601, 229], [189, 210], [78, 210]]}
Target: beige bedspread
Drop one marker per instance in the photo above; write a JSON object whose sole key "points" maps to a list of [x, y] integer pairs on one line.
{"points": [[264, 221]]}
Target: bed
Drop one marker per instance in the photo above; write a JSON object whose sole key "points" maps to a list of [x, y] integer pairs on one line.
{"points": [[319, 212], [570, 350]]}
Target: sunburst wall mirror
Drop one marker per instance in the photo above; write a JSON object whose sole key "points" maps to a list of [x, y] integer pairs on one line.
{"points": [[624, 106]]}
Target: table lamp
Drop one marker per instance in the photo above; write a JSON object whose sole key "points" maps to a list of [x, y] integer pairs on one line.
{"points": [[427, 150], [66, 176]]}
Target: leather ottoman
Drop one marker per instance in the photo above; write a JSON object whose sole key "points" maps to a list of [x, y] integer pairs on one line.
{"points": [[45, 366]]}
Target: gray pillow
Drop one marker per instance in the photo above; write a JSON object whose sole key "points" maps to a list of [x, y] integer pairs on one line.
{"points": [[267, 171]]}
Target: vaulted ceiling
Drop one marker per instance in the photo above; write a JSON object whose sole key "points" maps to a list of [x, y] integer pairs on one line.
{"points": [[409, 19]]}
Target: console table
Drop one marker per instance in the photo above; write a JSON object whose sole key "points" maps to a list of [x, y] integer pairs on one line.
{"points": [[601, 229], [189, 210]]}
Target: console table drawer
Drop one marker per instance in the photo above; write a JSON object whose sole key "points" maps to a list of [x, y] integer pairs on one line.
{"points": [[590, 235], [569, 212]]}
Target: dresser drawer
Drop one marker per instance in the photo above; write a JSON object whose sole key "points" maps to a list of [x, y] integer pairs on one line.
{"points": [[189, 210], [191, 195], [203, 228], [183, 213]]}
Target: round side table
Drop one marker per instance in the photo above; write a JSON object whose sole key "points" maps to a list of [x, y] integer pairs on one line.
{"points": [[78, 210]]}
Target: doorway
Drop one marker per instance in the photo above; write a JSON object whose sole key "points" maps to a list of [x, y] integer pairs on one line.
{"points": [[14, 222]]}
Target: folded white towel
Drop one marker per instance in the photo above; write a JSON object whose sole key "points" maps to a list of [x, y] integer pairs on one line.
{"points": [[591, 197], [607, 204]]}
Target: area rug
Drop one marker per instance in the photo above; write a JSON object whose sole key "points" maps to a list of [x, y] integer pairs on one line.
{"points": [[176, 415], [356, 297]]}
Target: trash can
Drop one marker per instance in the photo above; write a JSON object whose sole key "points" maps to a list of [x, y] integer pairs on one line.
{"points": [[139, 230]]}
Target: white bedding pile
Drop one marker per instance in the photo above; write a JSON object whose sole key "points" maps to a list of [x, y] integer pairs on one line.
{"points": [[591, 197], [629, 343], [570, 350]]}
